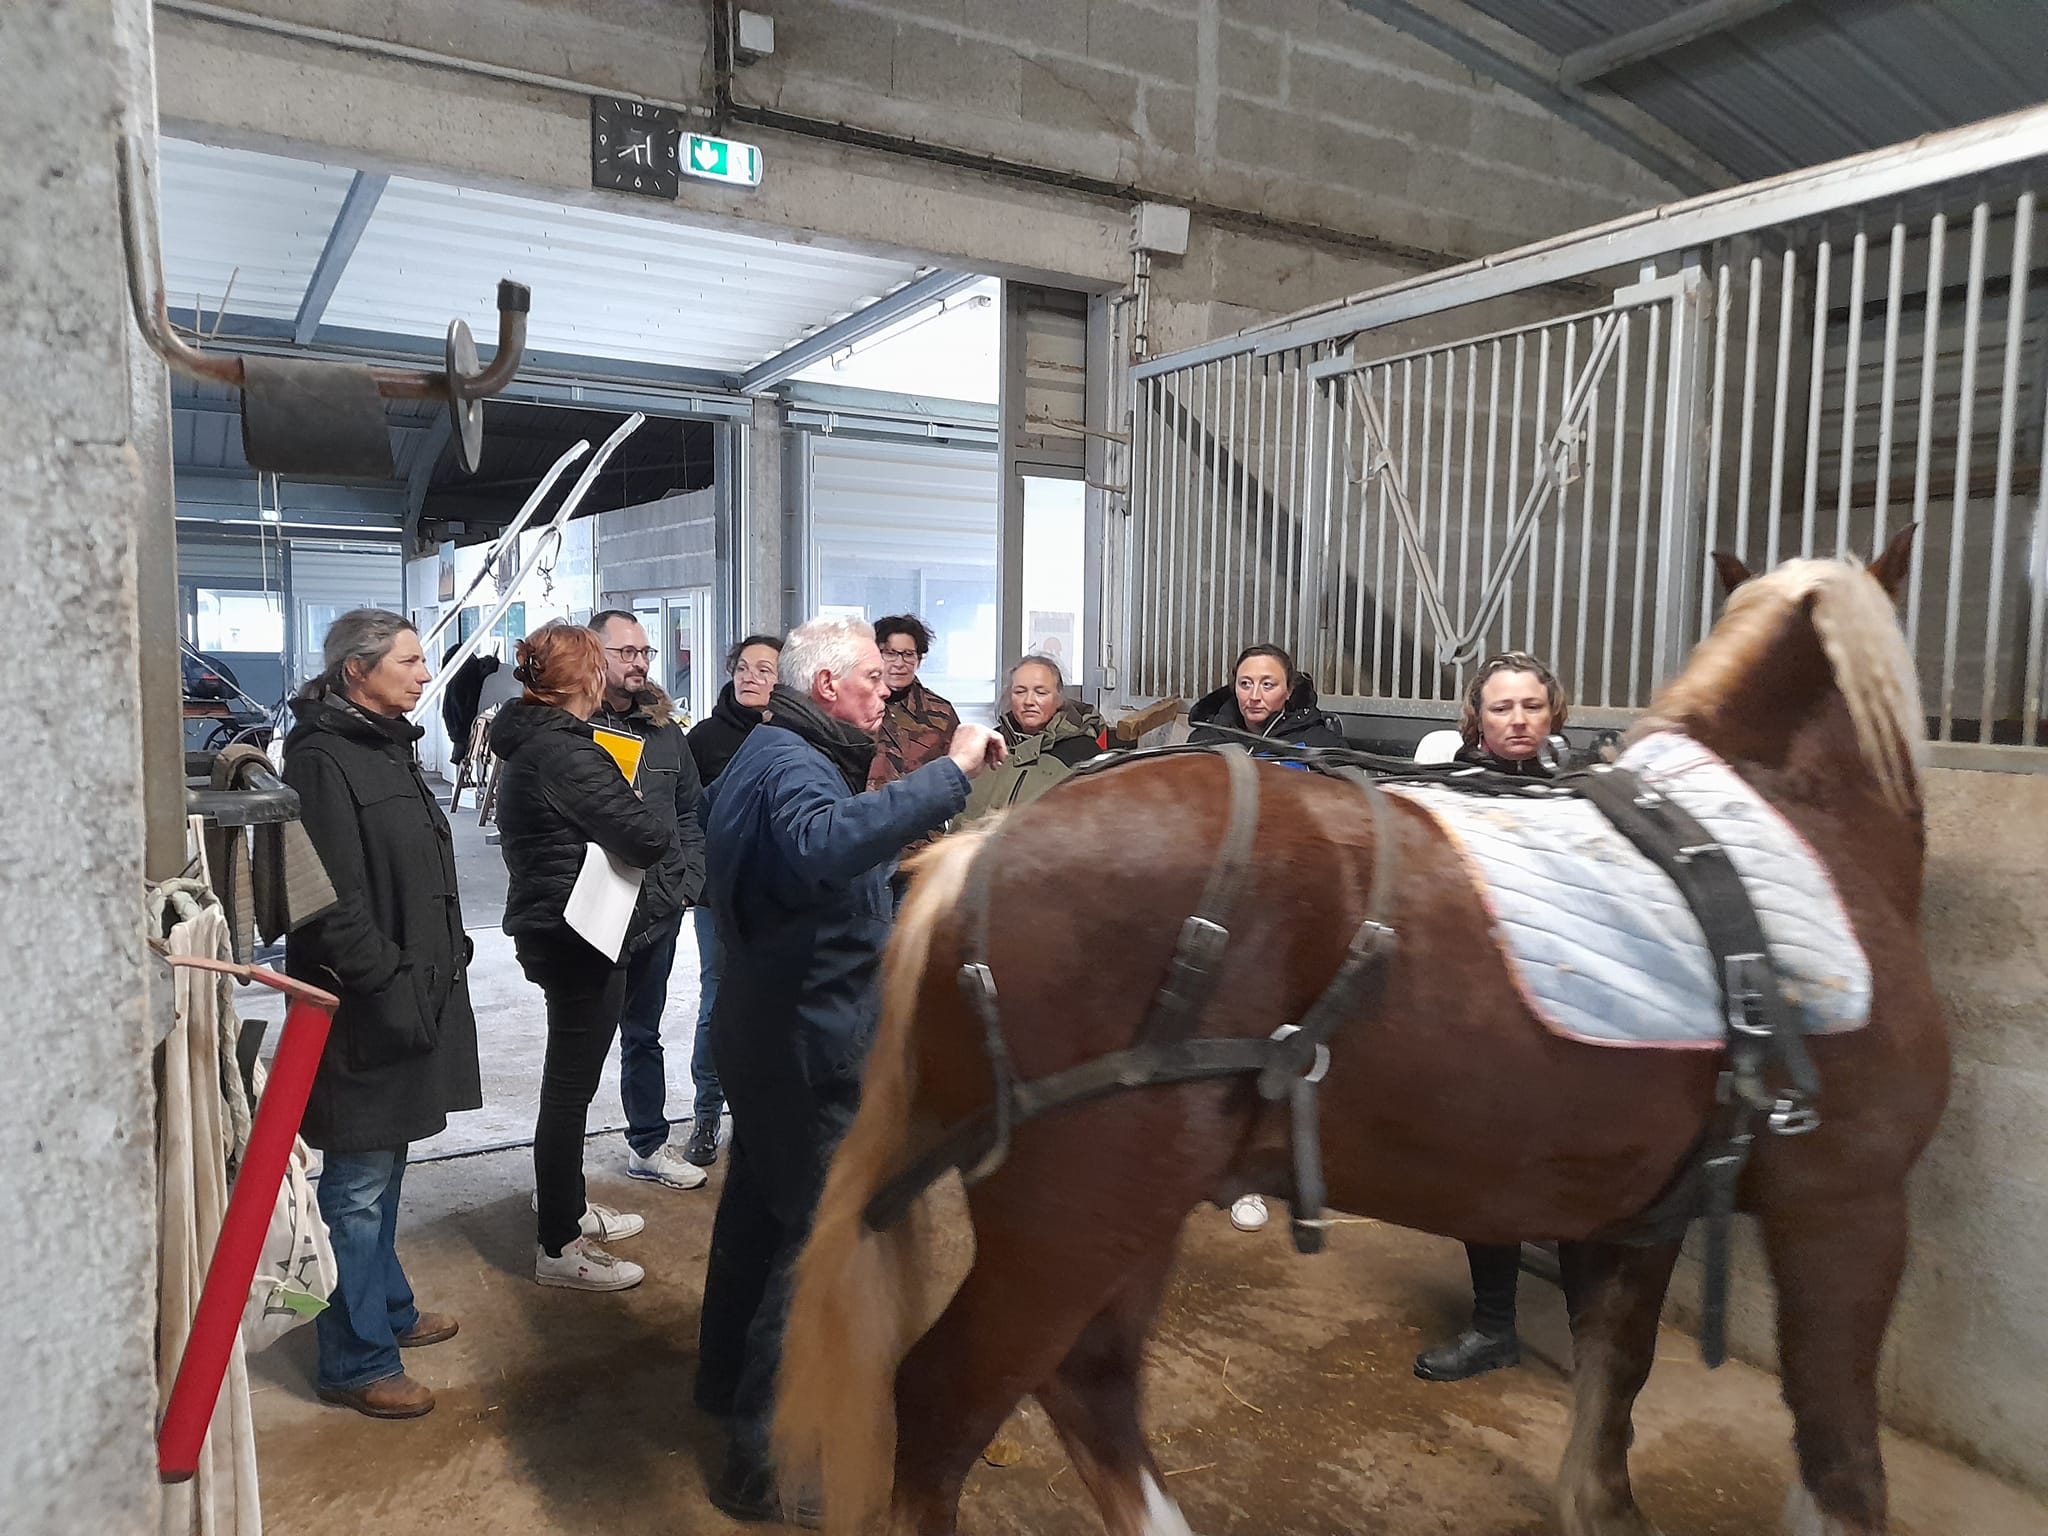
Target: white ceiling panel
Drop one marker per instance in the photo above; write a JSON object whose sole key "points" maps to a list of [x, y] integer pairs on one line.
{"points": [[604, 284], [258, 220]]}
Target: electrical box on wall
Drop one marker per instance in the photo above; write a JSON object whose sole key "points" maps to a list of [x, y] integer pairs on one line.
{"points": [[1159, 228], [753, 36]]}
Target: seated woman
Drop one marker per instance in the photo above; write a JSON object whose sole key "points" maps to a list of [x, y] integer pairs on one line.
{"points": [[1265, 697], [1048, 736], [1512, 706]]}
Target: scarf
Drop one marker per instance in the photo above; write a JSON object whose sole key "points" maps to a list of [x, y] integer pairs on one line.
{"points": [[851, 749]]}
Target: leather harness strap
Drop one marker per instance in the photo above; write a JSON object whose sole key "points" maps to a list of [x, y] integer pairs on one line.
{"points": [[1164, 1053], [1764, 1033]]}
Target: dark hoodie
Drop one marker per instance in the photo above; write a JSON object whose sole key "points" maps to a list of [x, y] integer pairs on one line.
{"points": [[669, 786], [1474, 755], [558, 790], [1302, 723], [715, 738], [401, 1055]]}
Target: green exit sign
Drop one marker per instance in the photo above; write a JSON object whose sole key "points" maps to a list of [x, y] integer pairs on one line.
{"points": [[721, 160]]}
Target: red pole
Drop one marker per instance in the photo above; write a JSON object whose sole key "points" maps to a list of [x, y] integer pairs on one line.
{"points": [[226, 1291]]}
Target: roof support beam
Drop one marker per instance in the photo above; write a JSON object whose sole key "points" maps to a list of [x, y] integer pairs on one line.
{"points": [[1539, 87], [426, 455], [1689, 24], [349, 223], [932, 288]]}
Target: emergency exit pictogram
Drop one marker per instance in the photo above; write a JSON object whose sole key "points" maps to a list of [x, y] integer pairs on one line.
{"points": [[721, 160]]}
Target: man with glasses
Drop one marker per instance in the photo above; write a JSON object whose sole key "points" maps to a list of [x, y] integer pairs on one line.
{"points": [[635, 705], [918, 725]]}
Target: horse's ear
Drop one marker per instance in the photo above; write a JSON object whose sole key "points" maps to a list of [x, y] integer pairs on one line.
{"points": [[1889, 569], [1732, 571]]}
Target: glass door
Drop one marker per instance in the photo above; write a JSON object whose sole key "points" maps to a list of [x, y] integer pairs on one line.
{"points": [[1054, 573]]}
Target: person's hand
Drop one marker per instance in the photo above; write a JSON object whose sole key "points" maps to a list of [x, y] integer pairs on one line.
{"points": [[975, 748]]}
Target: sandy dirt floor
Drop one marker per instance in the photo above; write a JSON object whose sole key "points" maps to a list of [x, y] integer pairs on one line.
{"points": [[1280, 1399]]}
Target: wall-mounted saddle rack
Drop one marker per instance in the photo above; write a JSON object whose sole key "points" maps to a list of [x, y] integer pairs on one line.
{"points": [[307, 416]]}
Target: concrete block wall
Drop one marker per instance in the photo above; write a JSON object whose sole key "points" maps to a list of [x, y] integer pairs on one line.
{"points": [[1966, 1365], [1323, 151], [658, 546]]}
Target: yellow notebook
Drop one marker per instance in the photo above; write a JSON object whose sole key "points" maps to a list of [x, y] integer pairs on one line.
{"points": [[624, 747]]}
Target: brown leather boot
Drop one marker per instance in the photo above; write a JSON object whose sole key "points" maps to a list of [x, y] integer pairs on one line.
{"points": [[395, 1397], [431, 1328]]}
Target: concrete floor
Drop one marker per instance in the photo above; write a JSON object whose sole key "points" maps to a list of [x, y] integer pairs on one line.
{"points": [[1280, 1398]]}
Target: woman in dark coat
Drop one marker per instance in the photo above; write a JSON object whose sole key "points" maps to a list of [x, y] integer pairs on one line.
{"points": [[1265, 697], [750, 668], [558, 792], [1513, 705], [402, 1052]]}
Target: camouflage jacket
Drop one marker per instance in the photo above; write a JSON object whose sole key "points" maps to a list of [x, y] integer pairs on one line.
{"points": [[917, 727]]}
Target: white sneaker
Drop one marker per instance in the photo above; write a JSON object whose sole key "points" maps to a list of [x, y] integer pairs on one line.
{"points": [[584, 1266], [1248, 1213], [665, 1165], [605, 1225]]}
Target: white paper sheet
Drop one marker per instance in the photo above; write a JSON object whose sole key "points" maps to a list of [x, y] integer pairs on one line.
{"points": [[601, 905]]}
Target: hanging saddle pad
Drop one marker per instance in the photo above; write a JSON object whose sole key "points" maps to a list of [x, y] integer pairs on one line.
{"points": [[1603, 946]]}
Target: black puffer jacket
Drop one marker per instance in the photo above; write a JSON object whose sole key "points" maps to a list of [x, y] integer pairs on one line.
{"points": [[715, 738], [1475, 756], [558, 790], [669, 786], [401, 1055], [1302, 723]]}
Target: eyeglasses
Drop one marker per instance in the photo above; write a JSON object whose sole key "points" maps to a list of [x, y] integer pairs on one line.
{"points": [[891, 654], [631, 652], [764, 670]]}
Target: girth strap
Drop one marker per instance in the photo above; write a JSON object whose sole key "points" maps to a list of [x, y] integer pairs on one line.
{"points": [[1763, 1030], [1205, 933], [1301, 1052], [1187, 1061]]}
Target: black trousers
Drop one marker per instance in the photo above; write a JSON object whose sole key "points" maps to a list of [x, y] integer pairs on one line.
{"points": [[1496, 1273], [783, 1136], [585, 993]]}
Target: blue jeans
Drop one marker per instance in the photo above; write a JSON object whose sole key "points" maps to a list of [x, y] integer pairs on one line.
{"points": [[643, 1074], [372, 1302], [709, 1102]]}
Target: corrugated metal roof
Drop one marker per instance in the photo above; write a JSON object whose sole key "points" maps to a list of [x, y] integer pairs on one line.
{"points": [[605, 284], [259, 221], [1812, 81]]}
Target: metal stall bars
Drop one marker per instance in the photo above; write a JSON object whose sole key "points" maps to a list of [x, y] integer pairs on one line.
{"points": [[1540, 449]]}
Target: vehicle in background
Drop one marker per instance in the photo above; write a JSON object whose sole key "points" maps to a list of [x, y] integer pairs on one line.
{"points": [[217, 713]]}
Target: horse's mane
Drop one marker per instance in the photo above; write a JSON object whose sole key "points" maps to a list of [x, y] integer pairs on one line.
{"points": [[1859, 632]]}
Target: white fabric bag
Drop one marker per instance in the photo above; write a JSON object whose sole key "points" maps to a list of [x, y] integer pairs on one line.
{"points": [[295, 1274]]}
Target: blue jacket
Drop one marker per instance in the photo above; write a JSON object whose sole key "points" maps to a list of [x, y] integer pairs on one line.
{"points": [[798, 885]]}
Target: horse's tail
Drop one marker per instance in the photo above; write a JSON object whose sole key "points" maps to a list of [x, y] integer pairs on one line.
{"points": [[863, 1298]]}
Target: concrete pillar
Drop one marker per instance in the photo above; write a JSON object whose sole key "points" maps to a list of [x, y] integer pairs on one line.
{"points": [[765, 566], [83, 479]]}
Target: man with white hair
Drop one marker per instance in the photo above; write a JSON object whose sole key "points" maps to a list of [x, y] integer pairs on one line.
{"points": [[800, 859]]}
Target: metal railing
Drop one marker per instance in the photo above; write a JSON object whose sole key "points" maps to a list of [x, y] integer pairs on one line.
{"points": [[1540, 450]]}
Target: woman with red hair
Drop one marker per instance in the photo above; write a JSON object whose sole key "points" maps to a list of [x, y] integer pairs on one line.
{"points": [[558, 792]]}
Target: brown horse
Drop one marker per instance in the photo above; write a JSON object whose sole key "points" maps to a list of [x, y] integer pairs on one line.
{"points": [[1448, 1106]]}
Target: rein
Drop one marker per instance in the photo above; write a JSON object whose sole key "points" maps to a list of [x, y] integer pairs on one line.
{"points": [[1764, 1039]]}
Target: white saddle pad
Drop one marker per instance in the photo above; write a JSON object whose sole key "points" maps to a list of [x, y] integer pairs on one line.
{"points": [[1601, 943]]}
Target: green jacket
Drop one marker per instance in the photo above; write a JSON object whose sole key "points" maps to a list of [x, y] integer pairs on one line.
{"points": [[1038, 760]]}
